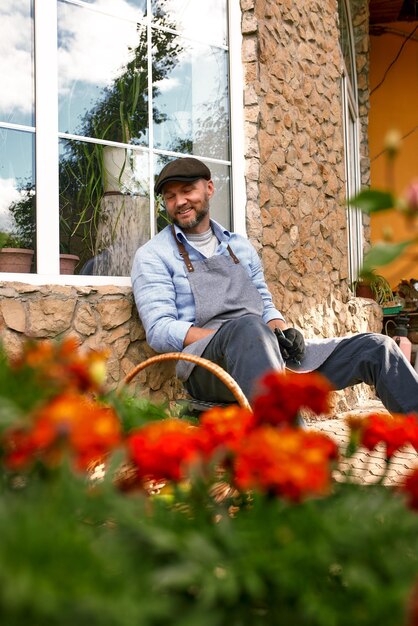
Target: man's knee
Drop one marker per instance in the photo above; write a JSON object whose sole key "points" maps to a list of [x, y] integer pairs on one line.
{"points": [[381, 344]]}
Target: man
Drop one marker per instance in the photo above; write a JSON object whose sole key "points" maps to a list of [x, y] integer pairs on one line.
{"points": [[200, 289]]}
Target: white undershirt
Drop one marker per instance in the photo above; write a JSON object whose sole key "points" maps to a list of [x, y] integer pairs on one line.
{"points": [[205, 242]]}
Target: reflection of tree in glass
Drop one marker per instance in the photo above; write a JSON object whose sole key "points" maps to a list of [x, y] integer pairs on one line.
{"points": [[120, 115], [23, 214]]}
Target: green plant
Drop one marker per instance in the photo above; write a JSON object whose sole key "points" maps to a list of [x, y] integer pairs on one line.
{"points": [[380, 288], [9, 240], [112, 548]]}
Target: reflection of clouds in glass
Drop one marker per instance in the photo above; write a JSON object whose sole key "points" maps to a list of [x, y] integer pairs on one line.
{"points": [[167, 84], [204, 19], [15, 57], [95, 46], [8, 195]]}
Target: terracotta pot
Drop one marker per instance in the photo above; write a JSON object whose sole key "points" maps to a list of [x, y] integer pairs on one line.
{"points": [[364, 291], [68, 263], [16, 260]]}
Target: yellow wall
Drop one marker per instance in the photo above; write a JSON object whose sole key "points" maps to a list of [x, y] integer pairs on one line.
{"points": [[394, 105]]}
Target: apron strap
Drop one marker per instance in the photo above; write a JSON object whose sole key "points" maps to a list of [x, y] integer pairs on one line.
{"points": [[183, 252], [185, 255], [233, 257]]}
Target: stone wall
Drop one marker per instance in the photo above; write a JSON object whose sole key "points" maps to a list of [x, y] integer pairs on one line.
{"points": [[99, 317], [295, 159], [106, 317]]}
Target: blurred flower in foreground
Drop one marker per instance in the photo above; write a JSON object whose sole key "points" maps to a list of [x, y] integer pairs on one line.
{"points": [[411, 198], [287, 462], [164, 449], [392, 142], [62, 365], [394, 431], [410, 488], [283, 395], [70, 423], [225, 427]]}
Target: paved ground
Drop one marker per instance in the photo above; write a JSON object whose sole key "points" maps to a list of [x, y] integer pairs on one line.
{"points": [[367, 466]]}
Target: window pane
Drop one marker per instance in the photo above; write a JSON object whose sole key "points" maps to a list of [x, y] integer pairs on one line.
{"points": [[204, 20], [104, 206], [121, 7], [191, 112], [17, 190], [102, 76], [220, 209], [16, 62]]}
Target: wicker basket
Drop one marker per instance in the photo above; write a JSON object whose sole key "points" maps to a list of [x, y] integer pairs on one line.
{"points": [[215, 369]]}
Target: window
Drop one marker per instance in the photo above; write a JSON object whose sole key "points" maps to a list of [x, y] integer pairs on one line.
{"points": [[351, 139], [122, 87]]}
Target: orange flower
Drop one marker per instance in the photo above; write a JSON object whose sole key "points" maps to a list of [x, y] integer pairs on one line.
{"points": [[62, 365], [164, 449], [225, 427], [289, 462], [395, 431], [70, 421], [283, 395]]}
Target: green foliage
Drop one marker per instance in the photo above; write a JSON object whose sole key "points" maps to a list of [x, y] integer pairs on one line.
{"points": [[9, 240], [377, 200], [96, 557], [383, 253], [380, 288], [134, 412], [75, 549], [373, 200]]}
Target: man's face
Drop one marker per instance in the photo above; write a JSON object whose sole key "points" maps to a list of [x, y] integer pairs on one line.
{"points": [[187, 204]]}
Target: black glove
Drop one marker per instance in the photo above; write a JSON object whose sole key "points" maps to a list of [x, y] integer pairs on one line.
{"points": [[291, 344]]}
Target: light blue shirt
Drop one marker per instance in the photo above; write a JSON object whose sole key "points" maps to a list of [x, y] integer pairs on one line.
{"points": [[162, 291]]}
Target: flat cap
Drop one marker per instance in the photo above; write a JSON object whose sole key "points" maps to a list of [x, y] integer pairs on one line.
{"points": [[184, 169]]}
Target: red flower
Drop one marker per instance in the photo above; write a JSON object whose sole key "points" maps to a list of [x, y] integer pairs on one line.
{"points": [[395, 431], [410, 488], [225, 427], [284, 394], [18, 449], [164, 449], [288, 462]]}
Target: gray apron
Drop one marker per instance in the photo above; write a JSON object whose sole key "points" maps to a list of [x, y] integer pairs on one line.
{"points": [[222, 290]]}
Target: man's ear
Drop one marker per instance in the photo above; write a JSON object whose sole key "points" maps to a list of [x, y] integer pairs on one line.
{"points": [[210, 188]]}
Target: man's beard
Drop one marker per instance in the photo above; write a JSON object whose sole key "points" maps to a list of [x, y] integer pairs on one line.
{"points": [[200, 214]]}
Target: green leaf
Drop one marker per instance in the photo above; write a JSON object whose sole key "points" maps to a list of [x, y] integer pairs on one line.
{"points": [[372, 201], [382, 254]]}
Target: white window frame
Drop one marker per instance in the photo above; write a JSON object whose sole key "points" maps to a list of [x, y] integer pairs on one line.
{"points": [[47, 149], [351, 129]]}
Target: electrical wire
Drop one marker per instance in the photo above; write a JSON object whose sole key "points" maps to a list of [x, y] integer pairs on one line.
{"points": [[394, 60]]}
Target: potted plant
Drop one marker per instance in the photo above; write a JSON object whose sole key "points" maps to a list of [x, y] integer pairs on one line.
{"points": [[15, 255], [376, 287]]}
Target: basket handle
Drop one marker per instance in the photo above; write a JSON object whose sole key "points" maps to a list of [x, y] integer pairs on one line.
{"points": [[215, 369]]}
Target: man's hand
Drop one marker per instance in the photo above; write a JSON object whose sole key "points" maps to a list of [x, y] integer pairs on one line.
{"points": [[195, 333], [291, 344]]}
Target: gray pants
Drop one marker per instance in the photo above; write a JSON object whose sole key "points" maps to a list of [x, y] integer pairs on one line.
{"points": [[247, 348]]}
